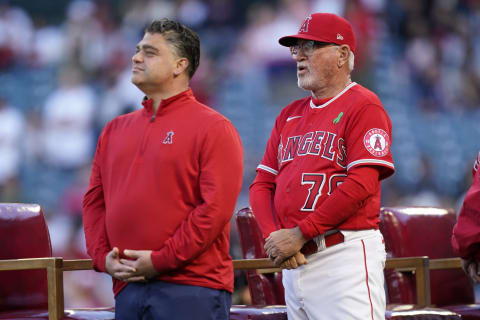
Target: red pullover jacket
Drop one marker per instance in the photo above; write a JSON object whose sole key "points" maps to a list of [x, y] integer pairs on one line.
{"points": [[167, 182], [466, 233]]}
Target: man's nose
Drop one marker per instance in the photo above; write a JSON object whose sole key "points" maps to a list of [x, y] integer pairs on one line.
{"points": [[137, 57], [299, 56]]}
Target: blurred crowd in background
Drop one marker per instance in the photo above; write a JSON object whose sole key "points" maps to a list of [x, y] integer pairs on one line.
{"points": [[65, 72]]}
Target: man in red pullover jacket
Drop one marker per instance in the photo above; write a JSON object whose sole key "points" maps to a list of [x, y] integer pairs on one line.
{"points": [[466, 233], [163, 188]]}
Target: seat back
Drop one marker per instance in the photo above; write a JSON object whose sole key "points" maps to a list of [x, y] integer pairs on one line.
{"points": [[265, 288], [23, 234], [423, 231]]}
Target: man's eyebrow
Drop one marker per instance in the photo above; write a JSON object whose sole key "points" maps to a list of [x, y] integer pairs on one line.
{"points": [[147, 47]]}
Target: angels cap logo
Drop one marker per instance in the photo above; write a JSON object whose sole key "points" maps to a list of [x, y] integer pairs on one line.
{"points": [[169, 138], [339, 36], [304, 26], [377, 142]]}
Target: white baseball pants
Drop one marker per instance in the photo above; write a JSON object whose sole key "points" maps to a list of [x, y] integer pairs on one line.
{"points": [[342, 282]]}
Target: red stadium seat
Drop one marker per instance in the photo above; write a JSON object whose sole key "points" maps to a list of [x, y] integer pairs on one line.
{"points": [[23, 234], [24, 290], [38, 294], [266, 288], [413, 231]]}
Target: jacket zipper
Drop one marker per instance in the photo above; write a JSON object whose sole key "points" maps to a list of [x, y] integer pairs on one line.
{"points": [[147, 133]]}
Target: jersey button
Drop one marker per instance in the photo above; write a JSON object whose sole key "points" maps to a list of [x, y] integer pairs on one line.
{"points": [[288, 189]]}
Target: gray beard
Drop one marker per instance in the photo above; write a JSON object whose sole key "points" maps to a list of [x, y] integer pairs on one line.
{"points": [[305, 84]]}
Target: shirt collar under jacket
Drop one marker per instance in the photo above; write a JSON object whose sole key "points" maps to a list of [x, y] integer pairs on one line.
{"points": [[148, 103]]}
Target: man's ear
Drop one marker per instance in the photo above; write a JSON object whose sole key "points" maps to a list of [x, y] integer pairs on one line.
{"points": [[181, 66], [344, 53]]}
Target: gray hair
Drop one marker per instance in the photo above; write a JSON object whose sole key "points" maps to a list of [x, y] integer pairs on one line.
{"points": [[351, 61]]}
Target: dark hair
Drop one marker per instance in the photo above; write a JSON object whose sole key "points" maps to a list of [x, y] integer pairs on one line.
{"points": [[184, 40]]}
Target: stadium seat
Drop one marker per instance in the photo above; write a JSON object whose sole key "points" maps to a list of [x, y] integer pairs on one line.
{"points": [[266, 287], [413, 231], [32, 280]]}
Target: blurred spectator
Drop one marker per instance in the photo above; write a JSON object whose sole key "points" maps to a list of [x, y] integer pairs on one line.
{"points": [[330, 6], [11, 129], [258, 46], [193, 12], [117, 96], [67, 122], [367, 30], [88, 37], [138, 14], [32, 138], [49, 45], [16, 34]]}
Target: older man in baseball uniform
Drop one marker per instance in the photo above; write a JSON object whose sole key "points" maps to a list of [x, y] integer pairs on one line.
{"points": [[317, 191]]}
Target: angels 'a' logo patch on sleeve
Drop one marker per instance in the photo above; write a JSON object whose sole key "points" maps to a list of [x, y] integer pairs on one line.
{"points": [[377, 142]]}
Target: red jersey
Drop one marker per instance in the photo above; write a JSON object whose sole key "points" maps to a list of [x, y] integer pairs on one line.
{"points": [[466, 233], [167, 183], [312, 148]]}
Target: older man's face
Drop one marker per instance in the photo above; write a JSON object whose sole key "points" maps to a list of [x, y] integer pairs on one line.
{"points": [[315, 68]]}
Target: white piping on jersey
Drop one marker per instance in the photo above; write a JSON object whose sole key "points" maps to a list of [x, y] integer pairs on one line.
{"points": [[371, 161], [312, 105], [268, 169], [294, 117]]}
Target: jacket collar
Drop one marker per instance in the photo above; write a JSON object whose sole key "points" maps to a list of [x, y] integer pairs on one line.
{"points": [[148, 102]]}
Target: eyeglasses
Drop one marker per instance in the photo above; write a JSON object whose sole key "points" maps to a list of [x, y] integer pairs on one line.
{"points": [[308, 47]]}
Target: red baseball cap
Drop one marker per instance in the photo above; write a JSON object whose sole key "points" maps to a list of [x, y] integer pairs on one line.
{"points": [[323, 27]]}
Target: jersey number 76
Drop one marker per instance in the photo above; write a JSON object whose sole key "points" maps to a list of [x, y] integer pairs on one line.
{"points": [[317, 182]]}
